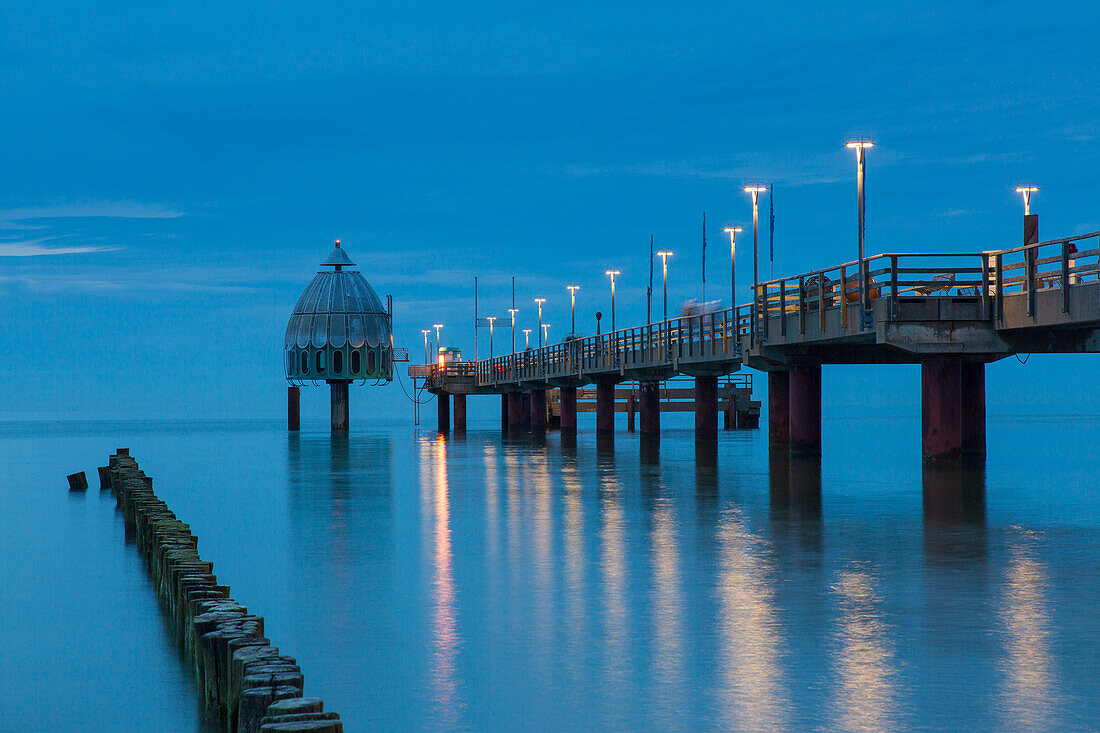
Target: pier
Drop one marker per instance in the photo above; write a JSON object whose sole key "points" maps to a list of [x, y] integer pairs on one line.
{"points": [[950, 312]]}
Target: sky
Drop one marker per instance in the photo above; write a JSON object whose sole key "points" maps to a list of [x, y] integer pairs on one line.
{"points": [[173, 175]]}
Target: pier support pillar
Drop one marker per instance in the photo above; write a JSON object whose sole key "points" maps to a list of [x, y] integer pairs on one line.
{"points": [[339, 412], [443, 411], [538, 410], [504, 412], [972, 407], [706, 408], [460, 412], [568, 409], [516, 408], [651, 409], [779, 408], [941, 399], [805, 410], [293, 409], [605, 407]]}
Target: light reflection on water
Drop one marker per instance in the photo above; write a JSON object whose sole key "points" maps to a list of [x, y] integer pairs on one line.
{"points": [[481, 582]]}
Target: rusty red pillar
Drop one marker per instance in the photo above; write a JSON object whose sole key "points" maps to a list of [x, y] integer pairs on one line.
{"points": [[605, 407], [568, 409], [460, 412], [651, 409], [538, 410], [504, 412], [339, 406], [516, 410], [941, 398], [972, 407], [706, 408], [805, 410], [293, 409], [443, 411], [779, 408]]}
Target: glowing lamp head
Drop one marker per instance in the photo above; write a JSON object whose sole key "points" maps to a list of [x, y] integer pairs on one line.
{"points": [[732, 230], [1027, 189], [756, 188], [859, 143]]}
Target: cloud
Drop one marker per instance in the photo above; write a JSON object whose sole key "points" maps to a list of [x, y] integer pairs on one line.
{"points": [[91, 209], [37, 248]]}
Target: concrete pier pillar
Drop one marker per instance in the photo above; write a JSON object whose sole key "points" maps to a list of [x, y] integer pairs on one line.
{"points": [[339, 411], [972, 407], [525, 411], [443, 411], [631, 408], [706, 408], [504, 412], [293, 409], [805, 410], [605, 407], [538, 410], [460, 412], [650, 409], [779, 408], [569, 409], [941, 398], [516, 408]]}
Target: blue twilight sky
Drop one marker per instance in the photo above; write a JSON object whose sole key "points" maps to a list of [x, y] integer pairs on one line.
{"points": [[174, 174]]}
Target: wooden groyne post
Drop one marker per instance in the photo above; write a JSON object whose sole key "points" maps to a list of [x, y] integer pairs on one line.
{"points": [[243, 679]]}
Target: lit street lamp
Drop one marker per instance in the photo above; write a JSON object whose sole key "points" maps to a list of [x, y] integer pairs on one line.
{"points": [[526, 338], [733, 268], [540, 301], [491, 320], [573, 307], [612, 274], [513, 311], [1026, 191], [664, 266], [437, 326], [546, 333], [426, 331], [860, 145]]}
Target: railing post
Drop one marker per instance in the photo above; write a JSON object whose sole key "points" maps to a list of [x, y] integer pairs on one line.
{"points": [[802, 304], [782, 307], [1065, 277], [998, 288], [985, 286], [843, 298], [821, 300], [893, 288]]}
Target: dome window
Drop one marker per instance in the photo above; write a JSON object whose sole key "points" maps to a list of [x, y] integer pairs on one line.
{"points": [[305, 362], [338, 362], [320, 362], [372, 362], [356, 362]]}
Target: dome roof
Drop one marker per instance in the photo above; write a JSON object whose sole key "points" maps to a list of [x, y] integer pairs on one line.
{"points": [[337, 308]]}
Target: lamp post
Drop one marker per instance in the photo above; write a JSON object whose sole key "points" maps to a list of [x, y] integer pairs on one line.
{"points": [[573, 308], [540, 301], [437, 326], [612, 274], [526, 339], [546, 333], [426, 331], [755, 190], [513, 311], [733, 268], [664, 269], [860, 145], [491, 320]]}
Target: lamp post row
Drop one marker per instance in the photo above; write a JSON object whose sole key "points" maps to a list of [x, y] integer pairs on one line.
{"points": [[859, 144]]}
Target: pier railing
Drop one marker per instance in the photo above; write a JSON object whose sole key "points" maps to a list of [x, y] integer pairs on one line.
{"points": [[987, 278]]}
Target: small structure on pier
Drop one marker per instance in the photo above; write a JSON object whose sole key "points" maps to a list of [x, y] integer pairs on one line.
{"points": [[339, 332]]}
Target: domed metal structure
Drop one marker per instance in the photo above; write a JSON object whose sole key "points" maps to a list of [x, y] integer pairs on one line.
{"points": [[339, 332]]}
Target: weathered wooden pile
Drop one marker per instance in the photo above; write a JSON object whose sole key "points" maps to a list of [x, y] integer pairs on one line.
{"points": [[243, 679]]}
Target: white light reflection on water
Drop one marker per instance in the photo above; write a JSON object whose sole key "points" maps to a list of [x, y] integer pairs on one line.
{"points": [[576, 629], [1029, 677], [667, 611], [865, 697], [756, 698], [613, 579], [435, 492]]}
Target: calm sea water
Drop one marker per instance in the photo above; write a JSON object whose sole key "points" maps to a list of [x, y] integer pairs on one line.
{"points": [[480, 582]]}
